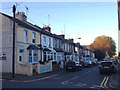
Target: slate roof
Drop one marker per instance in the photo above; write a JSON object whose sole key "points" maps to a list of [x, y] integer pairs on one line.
{"points": [[37, 28]]}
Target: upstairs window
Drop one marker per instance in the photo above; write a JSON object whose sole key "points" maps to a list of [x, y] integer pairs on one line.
{"points": [[55, 42], [49, 42], [25, 36], [44, 41], [33, 37]]}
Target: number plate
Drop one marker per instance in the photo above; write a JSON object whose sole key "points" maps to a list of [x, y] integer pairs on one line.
{"points": [[69, 67], [106, 67]]}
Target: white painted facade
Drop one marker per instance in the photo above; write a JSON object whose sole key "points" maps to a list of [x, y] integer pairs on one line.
{"points": [[6, 43]]}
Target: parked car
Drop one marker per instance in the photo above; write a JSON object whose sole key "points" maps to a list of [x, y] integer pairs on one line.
{"points": [[107, 67], [87, 63], [72, 66]]}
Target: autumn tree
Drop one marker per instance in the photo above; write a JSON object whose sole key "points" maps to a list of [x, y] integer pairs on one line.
{"points": [[99, 54], [104, 44]]}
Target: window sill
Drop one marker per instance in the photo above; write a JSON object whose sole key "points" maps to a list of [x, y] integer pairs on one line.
{"points": [[33, 63], [21, 62]]}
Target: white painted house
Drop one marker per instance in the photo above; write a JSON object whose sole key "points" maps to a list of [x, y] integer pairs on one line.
{"points": [[48, 51]]}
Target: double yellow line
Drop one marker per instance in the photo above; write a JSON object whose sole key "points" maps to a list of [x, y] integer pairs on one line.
{"points": [[104, 82]]}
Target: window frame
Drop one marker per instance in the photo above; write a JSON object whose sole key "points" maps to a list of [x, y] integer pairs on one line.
{"points": [[21, 54], [34, 37], [32, 57], [25, 36], [44, 41]]}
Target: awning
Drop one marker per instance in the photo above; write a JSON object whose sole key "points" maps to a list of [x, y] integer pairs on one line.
{"points": [[46, 49], [58, 50], [32, 47]]}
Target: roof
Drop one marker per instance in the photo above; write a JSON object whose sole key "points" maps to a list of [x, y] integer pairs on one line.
{"points": [[32, 47], [46, 49], [37, 28], [23, 23]]}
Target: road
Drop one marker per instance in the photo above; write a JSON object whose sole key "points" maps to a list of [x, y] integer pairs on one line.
{"points": [[86, 78]]}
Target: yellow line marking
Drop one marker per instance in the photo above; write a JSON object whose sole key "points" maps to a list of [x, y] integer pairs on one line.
{"points": [[103, 81], [106, 82]]}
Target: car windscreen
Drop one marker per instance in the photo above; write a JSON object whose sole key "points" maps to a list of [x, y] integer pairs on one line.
{"points": [[106, 63], [70, 63]]}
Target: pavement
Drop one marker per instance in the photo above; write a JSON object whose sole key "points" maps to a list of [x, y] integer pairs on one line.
{"points": [[19, 77]]}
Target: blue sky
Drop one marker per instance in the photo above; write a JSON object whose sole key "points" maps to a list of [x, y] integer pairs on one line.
{"points": [[76, 19]]}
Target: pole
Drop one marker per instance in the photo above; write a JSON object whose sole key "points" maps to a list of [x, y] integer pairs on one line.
{"points": [[13, 54], [48, 19]]}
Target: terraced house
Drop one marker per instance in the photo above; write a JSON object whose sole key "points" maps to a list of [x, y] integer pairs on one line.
{"points": [[58, 45], [37, 50], [27, 42]]}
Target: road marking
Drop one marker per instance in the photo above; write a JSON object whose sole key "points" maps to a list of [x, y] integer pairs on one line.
{"points": [[69, 80], [111, 86], [36, 79], [64, 82], [104, 82], [96, 86], [80, 84], [85, 73]]}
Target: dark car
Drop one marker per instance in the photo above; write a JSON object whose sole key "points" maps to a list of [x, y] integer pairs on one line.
{"points": [[87, 63], [72, 66], [107, 67]]}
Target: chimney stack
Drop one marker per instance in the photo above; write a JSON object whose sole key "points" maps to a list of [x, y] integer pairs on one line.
{"points": [[21, 16], [47, 28]]}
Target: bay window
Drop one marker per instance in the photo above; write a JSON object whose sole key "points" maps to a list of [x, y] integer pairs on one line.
{"points": [[33, 56]]}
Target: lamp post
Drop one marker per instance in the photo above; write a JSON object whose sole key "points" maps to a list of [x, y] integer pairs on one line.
{"points": [[13, 53]]}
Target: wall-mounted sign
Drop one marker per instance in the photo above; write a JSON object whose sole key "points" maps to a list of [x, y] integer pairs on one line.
{"points": [[2, 56]]}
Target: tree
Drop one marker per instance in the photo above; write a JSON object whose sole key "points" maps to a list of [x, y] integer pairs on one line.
{"points": [[99, 54], [104, 44]]}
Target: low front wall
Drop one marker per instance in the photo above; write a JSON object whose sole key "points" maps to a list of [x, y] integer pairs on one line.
{"points": [[47, 67], [24, 69]]}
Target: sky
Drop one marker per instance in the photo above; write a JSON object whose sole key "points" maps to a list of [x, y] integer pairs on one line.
{"points": [[86, 20]]}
